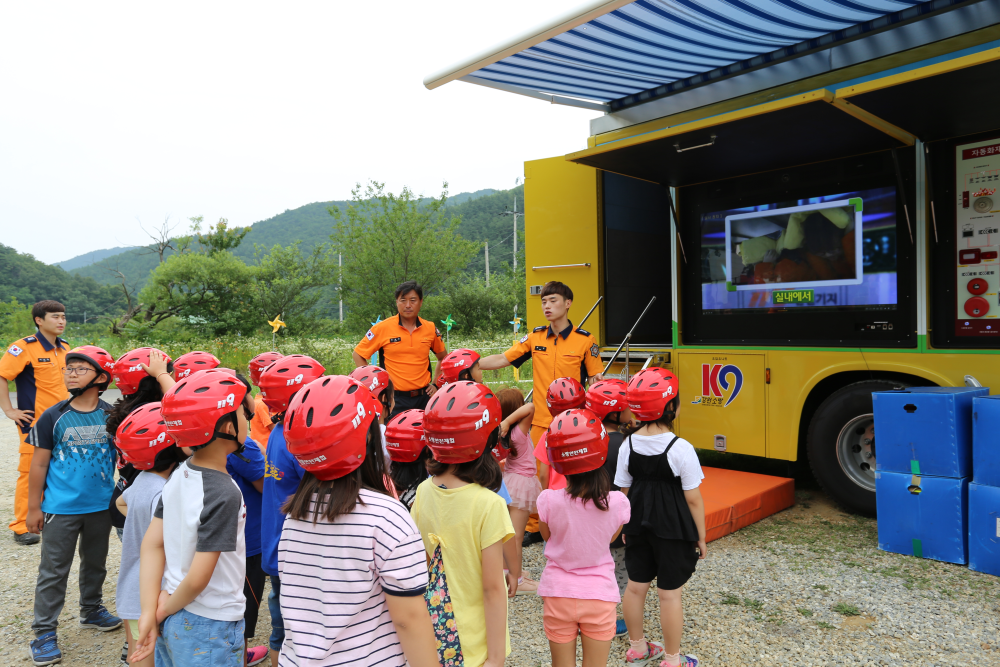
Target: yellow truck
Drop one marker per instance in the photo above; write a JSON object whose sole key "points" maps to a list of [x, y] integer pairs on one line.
{"points": [[818, 221]]}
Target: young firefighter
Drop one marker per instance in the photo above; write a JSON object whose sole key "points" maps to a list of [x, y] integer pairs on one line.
{"points": [[404, 344], [353, 567], [578, 522], [143, 441], [282, 473], [74, 466], [261, 424], [464, 525], [607, 400], [34, 364], [665, 537], [193, 557]]}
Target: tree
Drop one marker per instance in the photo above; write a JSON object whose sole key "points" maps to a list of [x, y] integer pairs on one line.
{"points": [[476, 307], [218, 238], [387, 239], [288, 282], [213, 293]]}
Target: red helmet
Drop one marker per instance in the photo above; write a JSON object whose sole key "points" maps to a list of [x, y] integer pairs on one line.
{"points": [[564, 394], [260, 362], [96, 357], [128, 371], [373, 377], [326, 425], [193, 362], [142, 436], [404, 436], [649, 391], [279, 381], [459, 420], [576, 442], [455, 363], [193, 406], [605, 397]]}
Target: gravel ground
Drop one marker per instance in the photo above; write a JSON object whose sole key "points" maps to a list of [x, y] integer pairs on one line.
{"points": [[805, 587]]}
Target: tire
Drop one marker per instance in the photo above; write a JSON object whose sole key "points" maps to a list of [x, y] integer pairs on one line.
{"points": [[841, 445]]}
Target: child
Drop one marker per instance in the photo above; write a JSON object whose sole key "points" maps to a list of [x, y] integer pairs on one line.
{"points": [[352, 566], [578, 584], [519, 473], [563, 394], [278, 384], [607, 400], [380, 385], [462, 364], [407, 447], [195, 542], [464, 524], [192, 362], [660, 473], [143, 441], [261, 424], [74, 465]]}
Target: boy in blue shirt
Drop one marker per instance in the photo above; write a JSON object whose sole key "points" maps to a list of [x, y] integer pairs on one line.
{"points": [[247, 470], [74, 465]]}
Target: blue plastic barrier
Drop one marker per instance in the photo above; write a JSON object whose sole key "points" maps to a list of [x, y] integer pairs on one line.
{"points": [[986, 440], [923, 516], [984, 529]]}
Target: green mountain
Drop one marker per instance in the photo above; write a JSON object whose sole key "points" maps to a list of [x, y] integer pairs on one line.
{"points": [[481, 214], [89, 258], [28, 280]]}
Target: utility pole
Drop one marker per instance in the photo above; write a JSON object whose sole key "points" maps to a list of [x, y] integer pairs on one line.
{"points": [[340, 283], [487, 245], [517, 214]]}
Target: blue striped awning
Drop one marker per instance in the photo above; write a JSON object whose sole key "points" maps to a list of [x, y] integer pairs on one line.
{"points": [[647, 48]]}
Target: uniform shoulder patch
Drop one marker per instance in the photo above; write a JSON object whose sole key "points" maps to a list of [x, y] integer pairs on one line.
{"points": [[437, 332], [14, 350], [525, 339], [30, 339], [595, 351], [370, 335], [583, 331], [541, 328]]}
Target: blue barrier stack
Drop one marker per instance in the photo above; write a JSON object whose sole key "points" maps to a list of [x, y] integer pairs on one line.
{"points": [[923, 438], [984, 492]]}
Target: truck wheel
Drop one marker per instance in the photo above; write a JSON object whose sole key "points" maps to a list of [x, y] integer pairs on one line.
{"points": [[841, 445]]}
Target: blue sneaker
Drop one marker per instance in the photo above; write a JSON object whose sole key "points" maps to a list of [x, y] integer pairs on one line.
{"points": [[45, 650], [102, 620], [620, 628]]}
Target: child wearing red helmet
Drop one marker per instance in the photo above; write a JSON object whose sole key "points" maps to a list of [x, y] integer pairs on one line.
{"points": [[279, 383], [351, 562], [563, 394], [578, 584], [665, 538], [261, 424], [143, 441], [519, 473], [464, 524], [406, 446], [462, 364], [194, 553]]}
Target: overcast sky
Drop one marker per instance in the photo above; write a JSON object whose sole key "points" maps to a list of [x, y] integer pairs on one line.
{"points": [[118, 112]]}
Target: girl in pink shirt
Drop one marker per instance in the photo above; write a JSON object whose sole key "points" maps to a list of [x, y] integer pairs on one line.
{"points": [[578, 585], [519, 474]]}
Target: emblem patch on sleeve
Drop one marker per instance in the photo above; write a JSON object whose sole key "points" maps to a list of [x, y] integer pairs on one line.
{"points": [[525, 339], [437, 332], [369, 335], [594, 352], [15, 350]]}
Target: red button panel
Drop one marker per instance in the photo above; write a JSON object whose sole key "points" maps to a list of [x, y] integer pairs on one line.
{"points": [[978, 286], [977, 306]]}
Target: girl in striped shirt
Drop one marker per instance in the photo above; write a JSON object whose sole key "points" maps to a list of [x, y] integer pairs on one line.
{"points": [[351, 562]]}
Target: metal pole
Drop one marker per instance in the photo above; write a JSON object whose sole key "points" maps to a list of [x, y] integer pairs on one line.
{"points": [[488, 265], [589, 313], [340, 283], [515, 233], [628, 336]]}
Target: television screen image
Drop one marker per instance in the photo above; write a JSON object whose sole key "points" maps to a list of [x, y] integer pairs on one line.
{"points": [[834, 251]]}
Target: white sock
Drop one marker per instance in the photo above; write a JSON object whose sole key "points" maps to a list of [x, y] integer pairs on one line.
{"points": [[672, 658], [639, 646]]}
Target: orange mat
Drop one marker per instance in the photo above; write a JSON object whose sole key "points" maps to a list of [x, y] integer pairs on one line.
{"points": [[734, 500]]}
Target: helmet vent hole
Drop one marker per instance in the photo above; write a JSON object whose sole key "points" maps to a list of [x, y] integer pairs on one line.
{"points": [[417, 424], [142, 431], [227, 382], [304, 366], [282, 370], [201, 390], [336, 410], [155, 408], [326, 382], [291, 420], [559, 425], [653, 385], [451, 388], [561, 395], [638, 384], [473, 406], [592, 421], [306, 396], [576, 422], [125, 427], [353, 388], [450, 403], [309, 417]]}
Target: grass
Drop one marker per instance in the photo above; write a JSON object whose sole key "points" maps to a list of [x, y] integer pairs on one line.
{"points": [[826, 626], [845, 609], [805, 612], [821, 587], [730, 599], [753, 605]]}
